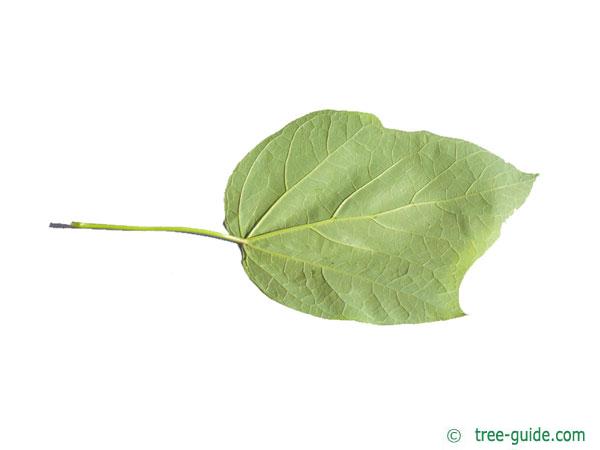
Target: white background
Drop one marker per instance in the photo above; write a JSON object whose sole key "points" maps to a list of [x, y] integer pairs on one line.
{"points": [[137, 112]]}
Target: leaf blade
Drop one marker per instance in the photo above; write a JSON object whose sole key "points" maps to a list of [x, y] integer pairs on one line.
{"points": [[379, 226]]}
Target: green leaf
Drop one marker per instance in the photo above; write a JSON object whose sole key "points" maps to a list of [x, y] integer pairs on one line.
{"points": [[342, 218]]}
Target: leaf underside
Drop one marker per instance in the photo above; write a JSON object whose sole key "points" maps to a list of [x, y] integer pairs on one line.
{"points": [[346, 219]]}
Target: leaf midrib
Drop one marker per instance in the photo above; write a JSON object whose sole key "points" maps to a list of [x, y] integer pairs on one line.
{"points": [[371, 216]]}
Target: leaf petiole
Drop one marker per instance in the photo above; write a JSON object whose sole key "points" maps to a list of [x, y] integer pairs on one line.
{"points": [[102, 226]]}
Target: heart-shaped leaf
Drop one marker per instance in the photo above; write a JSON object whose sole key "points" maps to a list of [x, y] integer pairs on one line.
{"points": [[342, 218], [345, 219]]}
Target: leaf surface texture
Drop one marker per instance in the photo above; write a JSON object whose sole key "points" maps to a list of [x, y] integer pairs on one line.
{"points": [[346, 219]]}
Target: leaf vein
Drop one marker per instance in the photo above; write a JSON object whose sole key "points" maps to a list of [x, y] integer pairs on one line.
{"points": [[372, 216], [279, 199]]}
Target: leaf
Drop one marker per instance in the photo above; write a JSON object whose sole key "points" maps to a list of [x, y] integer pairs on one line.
{"points": [[342, 218]]}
